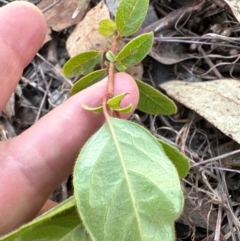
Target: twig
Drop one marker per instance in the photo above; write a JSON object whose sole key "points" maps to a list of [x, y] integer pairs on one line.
{"points": [[179, 15], [210, 63], [43, 100], [215, 158]]}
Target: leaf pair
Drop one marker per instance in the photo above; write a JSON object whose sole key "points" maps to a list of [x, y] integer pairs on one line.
{"points": [[133, 53], [151, 101], [113, 103]]}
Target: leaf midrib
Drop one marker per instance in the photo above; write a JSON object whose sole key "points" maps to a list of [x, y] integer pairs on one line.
{"points": [[110, 125], [130, 15]]}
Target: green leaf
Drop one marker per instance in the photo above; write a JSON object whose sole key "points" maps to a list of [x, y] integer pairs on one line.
{"points": [[114, 103], [126, 109], [116, 100], [60, 223], [130, 16], [180, 162], [125, 186], [110, 56], [154, 102], [120, 67], [93, 109], [136, 50], [106, 27], [88, 80], [82, 63]]}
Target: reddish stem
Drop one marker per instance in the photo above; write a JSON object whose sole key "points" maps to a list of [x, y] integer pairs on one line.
{"points": [[111, 72]]}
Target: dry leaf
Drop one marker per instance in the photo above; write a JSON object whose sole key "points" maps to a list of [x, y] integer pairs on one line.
{"points": [[234, 5], [85, 36], [135, 71], [169, 52], [197, 209], [59, 16], [9, 110], [217, 101]]}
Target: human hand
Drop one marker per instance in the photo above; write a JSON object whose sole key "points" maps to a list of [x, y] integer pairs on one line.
{"points": [[34, 163]]}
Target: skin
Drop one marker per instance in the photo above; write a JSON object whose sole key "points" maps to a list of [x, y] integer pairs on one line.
{"points": [[35, 162]]}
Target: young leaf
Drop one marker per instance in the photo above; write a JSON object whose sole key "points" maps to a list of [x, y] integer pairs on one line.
{"points": [[116, 100], [136, 50], [130, 16], [88, 80], [114, 103], [125, 186], [120, 67], [82, 63], [154, 102], [106, 27], [180, 162], [60, 223], [93, 109], [110, 56], [126, 109]]}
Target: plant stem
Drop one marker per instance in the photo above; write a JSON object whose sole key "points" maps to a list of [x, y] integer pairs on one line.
{"points": [[110, 86], [111, 72]]}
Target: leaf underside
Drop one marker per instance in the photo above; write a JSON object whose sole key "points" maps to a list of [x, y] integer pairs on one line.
{"points": [[153, 101], [60, 223], [125, 186]]}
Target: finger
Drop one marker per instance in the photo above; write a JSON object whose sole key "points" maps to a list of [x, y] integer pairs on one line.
{"points": [[43, 156], [49, 204], [23, 29]]}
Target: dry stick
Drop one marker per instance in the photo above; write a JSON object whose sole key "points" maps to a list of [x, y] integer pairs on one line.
{"points": [[217, 234], [50, 6], [59, 74], [223, 191], [160, 10], [222, 64], [197, 40], [208, 60], [232, 219], [43, 99], [179, 15], [216, 158], [202, 214], [210, 63], [220, 3]]}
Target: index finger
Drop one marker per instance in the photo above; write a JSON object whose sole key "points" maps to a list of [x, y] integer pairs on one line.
{"points": [[23, 29]]}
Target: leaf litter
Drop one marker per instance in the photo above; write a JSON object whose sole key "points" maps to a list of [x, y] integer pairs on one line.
{"points": [[195, 41]]}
